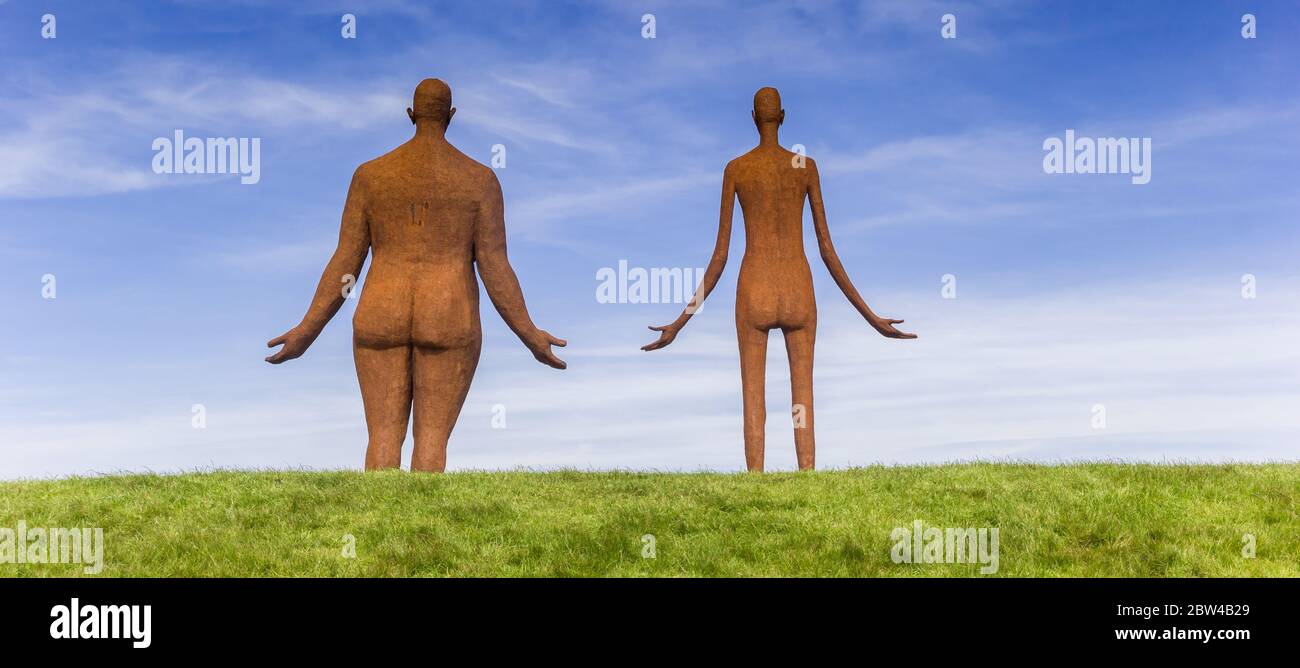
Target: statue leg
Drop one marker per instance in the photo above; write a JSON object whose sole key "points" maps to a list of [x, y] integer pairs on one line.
{"points": [[799, 350], [385, 377], [753, 372], [442, 379]]}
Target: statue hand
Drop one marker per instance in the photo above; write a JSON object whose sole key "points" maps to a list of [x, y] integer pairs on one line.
{"points": [[540, 344], [886, 328], [666, 335], [296, 341]]}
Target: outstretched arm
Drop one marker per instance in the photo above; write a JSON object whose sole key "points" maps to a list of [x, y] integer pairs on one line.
{"points": [[339, 277], [500, 280], [832, 259], [714, 271]]}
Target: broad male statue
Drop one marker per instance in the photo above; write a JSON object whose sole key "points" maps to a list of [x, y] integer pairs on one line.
{"points": [[431, 215], [775, 288]]}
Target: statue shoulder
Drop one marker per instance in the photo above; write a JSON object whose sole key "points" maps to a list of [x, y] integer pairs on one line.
{"points": [[375, 167], [363, 174], [484, 177]]}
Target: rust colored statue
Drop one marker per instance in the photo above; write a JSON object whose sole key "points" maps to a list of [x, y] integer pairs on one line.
{"points": [[775, 288], [431, 214]]}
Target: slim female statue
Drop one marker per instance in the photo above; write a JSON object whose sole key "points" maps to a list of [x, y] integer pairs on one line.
{"points": [[775, 288]]}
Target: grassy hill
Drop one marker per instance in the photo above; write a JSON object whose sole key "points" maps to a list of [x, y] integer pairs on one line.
{"points": [[1104, 520]]}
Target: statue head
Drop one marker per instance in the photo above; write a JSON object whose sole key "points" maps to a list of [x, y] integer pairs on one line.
{"points": [[767, 107], [432, 100]]}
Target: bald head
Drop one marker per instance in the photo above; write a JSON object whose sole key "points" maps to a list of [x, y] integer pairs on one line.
{"points": [[767, 106], [432, 100]]}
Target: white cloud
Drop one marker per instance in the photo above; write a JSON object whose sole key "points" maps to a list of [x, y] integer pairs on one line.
{"points": [[1186, 371], [97, 140], [592, 198], [290, 256]]}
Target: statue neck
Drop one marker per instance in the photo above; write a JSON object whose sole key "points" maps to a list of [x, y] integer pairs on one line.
{"points": [[430, 128]]}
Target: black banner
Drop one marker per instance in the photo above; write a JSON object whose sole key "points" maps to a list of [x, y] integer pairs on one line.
{"points": [[172, 617]]}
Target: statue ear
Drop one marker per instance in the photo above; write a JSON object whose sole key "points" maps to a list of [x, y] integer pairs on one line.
{"points": [[450, 113], [782, 121], [410, 113], [754, 115]]}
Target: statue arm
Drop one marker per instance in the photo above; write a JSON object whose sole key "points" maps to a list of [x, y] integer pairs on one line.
{"points": [[340, 277], [832, 260], [500, 281], [714, 271]]}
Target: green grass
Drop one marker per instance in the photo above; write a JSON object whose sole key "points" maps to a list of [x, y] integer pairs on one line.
{"points": [[1107, 520]]}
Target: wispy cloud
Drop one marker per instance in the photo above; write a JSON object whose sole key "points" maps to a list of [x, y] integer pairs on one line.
{"points": [[590, 199], [291, 256], [1184, 372], [97, 140]]}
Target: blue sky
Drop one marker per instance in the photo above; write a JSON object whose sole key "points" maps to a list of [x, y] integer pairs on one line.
{"points": [[1072, 290]]}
